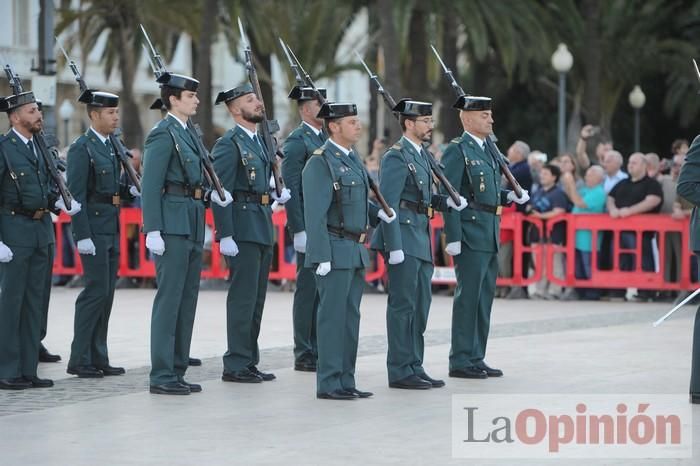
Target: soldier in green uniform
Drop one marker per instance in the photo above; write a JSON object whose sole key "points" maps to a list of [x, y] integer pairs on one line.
{"points": [[406, 183], [158, 105], [689, 188], [26, 233], [94, 180], [337, 214], [298, 147], [173, 199], [244, 230], [472, 168]]}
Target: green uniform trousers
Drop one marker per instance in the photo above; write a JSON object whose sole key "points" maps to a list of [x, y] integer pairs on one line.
{"points": [[94, 304], [338, 327], [304, 311], [47, 290], [471, 311], [407, 316], [244, 304], [21, 301], [695, 364], [178, 273]]}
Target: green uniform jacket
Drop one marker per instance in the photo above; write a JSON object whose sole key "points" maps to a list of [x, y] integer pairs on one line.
{"points": [[242, 166], [167, 161], [689, 188], [35, 186], [297, 149], [476, 175], [321, 209], [94, 171], [411, 233]]}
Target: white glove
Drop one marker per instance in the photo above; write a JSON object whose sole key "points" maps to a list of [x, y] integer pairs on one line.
{"points": [[396, 257], [454, 249], [134, 191], [283, 197], [74, 206], [222, 202], [518, 200], [300, 242], [155, 243], [272, 183], [86, 246], [5, 253], [228, 246], [385, 218], [462, 203], [323, 269]]}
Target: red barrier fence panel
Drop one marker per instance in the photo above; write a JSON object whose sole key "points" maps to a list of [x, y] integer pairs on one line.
{"points": [[633, 252]]}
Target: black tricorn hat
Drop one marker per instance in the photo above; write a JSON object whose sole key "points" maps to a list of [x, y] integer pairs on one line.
{"points": [[12, 102], [39, 104], [410, 107], [99, 98], [234, 93], [472, 102], [302, 94], [157, 104], [178, 81], [333, 110]]}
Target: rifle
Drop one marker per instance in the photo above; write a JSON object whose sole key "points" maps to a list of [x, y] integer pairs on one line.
{"points": [[267, 127], [120, 149], [296, 65], [391, 103], [500, 158], [158, 67], [50, 155]]}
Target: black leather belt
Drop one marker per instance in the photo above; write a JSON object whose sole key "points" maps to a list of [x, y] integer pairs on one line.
{"points": [[33, 214], [357, 237], [492, 209], [112, 199], [248, 196], [196, 193], [416, 207]]}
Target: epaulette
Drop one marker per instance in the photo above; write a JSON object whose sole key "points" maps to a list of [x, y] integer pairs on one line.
{"points": [[318, 151], [396, 146]]}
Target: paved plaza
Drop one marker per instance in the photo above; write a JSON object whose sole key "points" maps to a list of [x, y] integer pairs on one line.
{"points": [[542, 346]]}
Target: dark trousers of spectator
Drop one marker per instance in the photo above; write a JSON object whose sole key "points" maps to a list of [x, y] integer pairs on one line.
{"points": [[583, 271], [628, 240]]}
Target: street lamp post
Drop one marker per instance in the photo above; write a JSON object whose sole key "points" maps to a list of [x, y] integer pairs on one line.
{"points": [[65, 112], [637, 100], [562, 61]]}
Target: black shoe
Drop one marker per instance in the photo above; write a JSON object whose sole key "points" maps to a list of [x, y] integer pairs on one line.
{"points": [[490, 371], [695, 398], [436, 383], [358, 393], [170, 388], [194, 362], [45, 356], [17, 383], [85, 372], [412, 382], [38, 383], [194, 387], [469, 373], [111, 370], [336, 395], [305, 366], [244, 376], [265, 376]]}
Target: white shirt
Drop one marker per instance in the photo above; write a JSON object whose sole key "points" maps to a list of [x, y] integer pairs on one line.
{"points": [[415, 146], [24, 140], [102, 138], [478, 140], [342, 149], [183, 124], [611, 181], [316, 131]]}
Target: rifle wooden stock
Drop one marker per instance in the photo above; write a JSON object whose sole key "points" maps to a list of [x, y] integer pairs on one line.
{"points": [[517, 189], [49, 159], [209, 173], [121, 152]]}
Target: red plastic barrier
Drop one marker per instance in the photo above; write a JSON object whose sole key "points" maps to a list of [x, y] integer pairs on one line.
{"points": [[215, 265]]}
